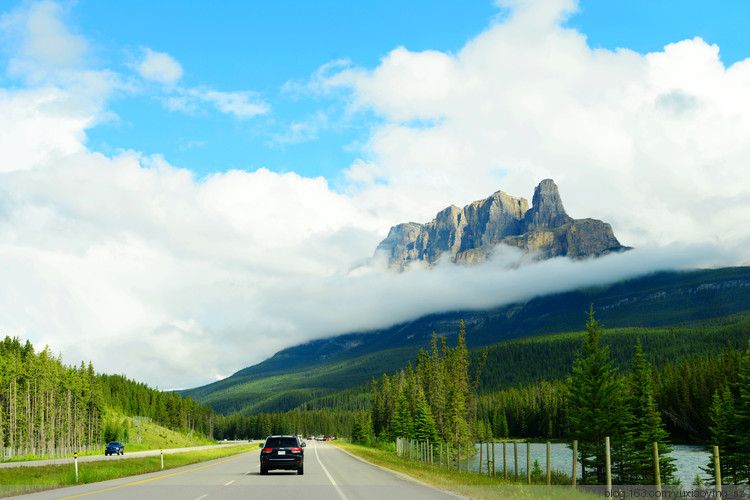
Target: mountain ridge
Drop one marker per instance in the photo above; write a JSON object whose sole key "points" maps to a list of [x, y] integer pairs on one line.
{"points": [[469, 234], [320, 367]]}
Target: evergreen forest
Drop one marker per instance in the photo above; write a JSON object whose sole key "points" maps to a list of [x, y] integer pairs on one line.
{"points": [[698, 399], [46, 406]]}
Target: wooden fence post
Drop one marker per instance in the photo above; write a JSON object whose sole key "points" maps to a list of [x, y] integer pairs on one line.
{"points": [[467, 455], [549, 469], [575, 461], [657, 474], [608, 463], [493, 458], [515, 458], [480, 458], [487, 445], [505, 463], [528, 462], [717, 469]]}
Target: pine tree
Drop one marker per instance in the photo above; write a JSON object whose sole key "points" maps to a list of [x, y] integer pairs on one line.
{"points": [[401, 423], [362, 429], [723, 416], [377, 411], [743, 417], [424, 428], [458, 391], [594, 401], [645, 427]]}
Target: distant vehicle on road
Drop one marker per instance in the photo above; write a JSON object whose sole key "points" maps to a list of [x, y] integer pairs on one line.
{"points": [[114, 448], [282, 452]]}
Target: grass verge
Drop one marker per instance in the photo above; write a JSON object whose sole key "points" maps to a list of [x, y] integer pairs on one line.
{"points": [[469, 485], [22, 480]]}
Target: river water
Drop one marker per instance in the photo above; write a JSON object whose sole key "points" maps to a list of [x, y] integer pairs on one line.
{"points": [[689, 459]]}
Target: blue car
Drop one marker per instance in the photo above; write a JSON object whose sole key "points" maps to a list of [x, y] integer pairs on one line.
{"points": [[114, 448]]}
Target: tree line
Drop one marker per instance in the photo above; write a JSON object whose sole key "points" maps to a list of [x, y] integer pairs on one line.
{"points": [[45, 405], [697, 399], [434, 401], [306, 422]]}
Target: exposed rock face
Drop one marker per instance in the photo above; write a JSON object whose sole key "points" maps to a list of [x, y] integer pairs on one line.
{"points": [[468, 235]]}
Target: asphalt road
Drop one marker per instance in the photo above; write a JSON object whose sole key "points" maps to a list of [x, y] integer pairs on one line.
{"points": [[330, 473]]}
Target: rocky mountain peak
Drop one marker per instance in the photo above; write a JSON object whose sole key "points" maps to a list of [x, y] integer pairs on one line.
{"points": [[468, 235], [547, 211]]}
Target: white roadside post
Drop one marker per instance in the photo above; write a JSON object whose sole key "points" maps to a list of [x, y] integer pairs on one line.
{"points": [[75, 461], [162, 459]]}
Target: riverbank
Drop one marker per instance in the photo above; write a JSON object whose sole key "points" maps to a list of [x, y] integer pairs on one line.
{"points": [[470, 485]]}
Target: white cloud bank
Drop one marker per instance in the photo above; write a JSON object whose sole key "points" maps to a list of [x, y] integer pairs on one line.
{"points": [[132, 263]]}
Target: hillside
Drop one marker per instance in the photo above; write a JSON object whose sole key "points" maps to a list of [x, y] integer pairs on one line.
{"points": [[47, 408], [320, 368]]}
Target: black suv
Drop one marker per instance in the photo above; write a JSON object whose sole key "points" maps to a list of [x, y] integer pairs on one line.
{"points": [[282, 452]]}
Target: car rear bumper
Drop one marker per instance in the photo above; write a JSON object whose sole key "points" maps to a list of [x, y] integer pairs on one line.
{"points": [[290, 463]]}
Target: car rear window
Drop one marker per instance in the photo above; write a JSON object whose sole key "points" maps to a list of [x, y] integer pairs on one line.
{"points": [[282, 443]]}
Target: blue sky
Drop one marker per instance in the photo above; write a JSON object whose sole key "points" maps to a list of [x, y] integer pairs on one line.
{"points": [[213, 182], [259, 47]]}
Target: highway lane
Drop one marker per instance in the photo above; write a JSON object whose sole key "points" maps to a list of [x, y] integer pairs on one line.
{"points": [[329, 474]]}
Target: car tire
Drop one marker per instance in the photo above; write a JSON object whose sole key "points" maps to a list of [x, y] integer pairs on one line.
{"points": [[301, 470], [263, 471]]}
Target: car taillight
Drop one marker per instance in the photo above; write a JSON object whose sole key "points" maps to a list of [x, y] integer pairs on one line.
{"points": [[267, 450], [296, 450]]}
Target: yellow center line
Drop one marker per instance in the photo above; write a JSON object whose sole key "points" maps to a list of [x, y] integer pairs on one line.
{"points": [[155, 478]]}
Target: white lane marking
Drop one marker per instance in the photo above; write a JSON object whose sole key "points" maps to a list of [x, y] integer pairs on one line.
{"points": [[230, 482], [338, 490], [201, 497]]}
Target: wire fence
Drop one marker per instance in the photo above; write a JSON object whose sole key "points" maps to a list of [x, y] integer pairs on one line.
{"points": [[559, 463]]}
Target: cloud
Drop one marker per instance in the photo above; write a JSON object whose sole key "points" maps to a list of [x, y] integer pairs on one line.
{"points": [[651, 143], [43, 44], [241, 104], [159, 67], [134, 255], [304, 131], [162, 68]]}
